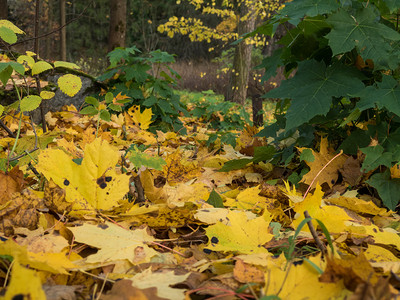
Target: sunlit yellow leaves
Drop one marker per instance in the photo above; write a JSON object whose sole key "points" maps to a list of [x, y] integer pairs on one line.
{"points": [[240, 235], [163, 282], [46, 95], [300, 281], [24, 282], [140, 119], [40, 67], [65, 64], [248, 199], [333, 217], [357, 205], [29, 60], [179, 169], [115, 243], [321, 158], [11, 26], [179, 194], [56, 263], [387, 236], [69, 84], [153, 193], [382, 258], [94, 183], [29, 103]]}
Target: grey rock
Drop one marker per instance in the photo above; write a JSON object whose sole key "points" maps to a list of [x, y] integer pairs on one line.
{"points": [[60, 99]]}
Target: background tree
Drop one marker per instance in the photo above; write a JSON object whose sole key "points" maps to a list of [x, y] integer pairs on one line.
{"points": [[239, 77], [117, 33], [63, 40], [236, 18], [3, 9]]}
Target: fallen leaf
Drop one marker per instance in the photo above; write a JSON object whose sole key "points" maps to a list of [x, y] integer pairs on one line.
{"points": [[239, 235], [92, 185], [24, 283], [115, 243], [330, 174]]}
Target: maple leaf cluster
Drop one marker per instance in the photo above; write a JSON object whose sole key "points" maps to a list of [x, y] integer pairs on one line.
{"points": [[80, 222]]}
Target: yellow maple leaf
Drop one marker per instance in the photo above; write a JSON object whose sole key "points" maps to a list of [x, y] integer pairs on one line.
{"points": [[24, 282], [300, 281], [56, 263], [248, 199], [118, 98], [386, 236], [115, 243], [380, 257], [92, 185], [162, 281], [179, 169], [140, 119], [330, 173], [358, 205], [333, 217], [181, 193], [240, 234]]}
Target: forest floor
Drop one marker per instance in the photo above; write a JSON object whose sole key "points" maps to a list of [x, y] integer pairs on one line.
{"points": [[108, 210]]}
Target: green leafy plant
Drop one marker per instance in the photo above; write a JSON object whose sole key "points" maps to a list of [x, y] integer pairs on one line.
{"points": [[346, 56], [219, 114], [144, 79], [24, 66], [102, 109]]}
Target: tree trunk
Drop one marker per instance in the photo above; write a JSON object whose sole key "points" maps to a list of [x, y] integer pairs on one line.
{"points": [[3, 9], [239, 76], [49, 40], [116, 36], [63, 38], [37, 26]]}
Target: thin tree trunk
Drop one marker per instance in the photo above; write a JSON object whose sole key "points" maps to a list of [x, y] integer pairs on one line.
{"points": [[63, 39], [239, 77], [3, 9], [36, 50], [37, 25], [49, 29], [117, 33]]}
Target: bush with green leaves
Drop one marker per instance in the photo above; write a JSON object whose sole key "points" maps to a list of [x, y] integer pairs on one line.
{"points": [[211, 109], [144, 79], [346, 86]]}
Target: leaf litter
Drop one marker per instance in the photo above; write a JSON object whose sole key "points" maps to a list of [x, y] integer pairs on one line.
{"points": [[80, 229]]}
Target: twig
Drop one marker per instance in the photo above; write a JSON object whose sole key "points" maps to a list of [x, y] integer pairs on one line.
{"points": [[9, 132], [139, 189], [314, 233], [24, 154]]}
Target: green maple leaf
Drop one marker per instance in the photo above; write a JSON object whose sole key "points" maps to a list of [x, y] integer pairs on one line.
{"points": [[297, 9], [392, 5], [385, 94], [139, 159], [363, 31], [375, 157], [312, 89], [388, 189]]}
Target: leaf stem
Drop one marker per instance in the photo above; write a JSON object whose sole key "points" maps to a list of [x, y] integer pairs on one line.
{"points": [[312, 182]]}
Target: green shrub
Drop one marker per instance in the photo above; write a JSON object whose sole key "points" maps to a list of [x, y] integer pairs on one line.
{"points": [[143, 78], [346, 56]]}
